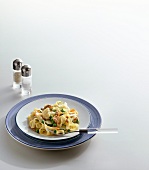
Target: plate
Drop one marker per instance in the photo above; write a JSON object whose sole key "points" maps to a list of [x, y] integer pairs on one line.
{"points": [[24, 112], [17, 134]]}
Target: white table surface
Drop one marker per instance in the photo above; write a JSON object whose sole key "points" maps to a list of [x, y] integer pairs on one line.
{"points": [[96, 50]]}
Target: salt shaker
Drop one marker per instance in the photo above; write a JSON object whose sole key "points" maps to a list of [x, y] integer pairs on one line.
{"points": [[26, 79], [17, 64]]}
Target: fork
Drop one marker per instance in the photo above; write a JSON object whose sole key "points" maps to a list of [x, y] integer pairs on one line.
{"points": [[90, 131]]}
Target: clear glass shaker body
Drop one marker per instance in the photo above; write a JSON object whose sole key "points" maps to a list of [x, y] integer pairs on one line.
{"points": [[26, 85], [16, 79]]}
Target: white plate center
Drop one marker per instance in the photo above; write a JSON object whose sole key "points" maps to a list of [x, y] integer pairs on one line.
{"points": [[24, 112]]}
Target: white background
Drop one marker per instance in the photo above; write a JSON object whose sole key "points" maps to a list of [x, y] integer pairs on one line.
{"points": [[94, 49]]}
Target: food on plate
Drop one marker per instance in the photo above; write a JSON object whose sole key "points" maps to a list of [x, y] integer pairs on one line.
{"points": [[54, 119]]}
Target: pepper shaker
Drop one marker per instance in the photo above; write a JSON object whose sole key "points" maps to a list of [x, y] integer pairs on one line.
{"points": [[26, 79], [17, 64]]}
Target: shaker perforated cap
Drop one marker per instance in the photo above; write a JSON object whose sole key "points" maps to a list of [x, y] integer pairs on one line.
{"points": [[17, 64], [26, 70]]}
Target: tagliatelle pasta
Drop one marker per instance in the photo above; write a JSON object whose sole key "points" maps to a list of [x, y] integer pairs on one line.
{"points": [[54, 119]]}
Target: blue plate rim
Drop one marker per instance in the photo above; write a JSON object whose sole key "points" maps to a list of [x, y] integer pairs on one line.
{"points": [[52, 145]]}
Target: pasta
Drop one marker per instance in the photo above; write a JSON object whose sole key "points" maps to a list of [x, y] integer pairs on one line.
{"points": [[54, 119]]}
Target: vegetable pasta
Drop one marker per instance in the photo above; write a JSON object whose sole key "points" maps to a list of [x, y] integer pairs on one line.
{"points": [[54, 119]]}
